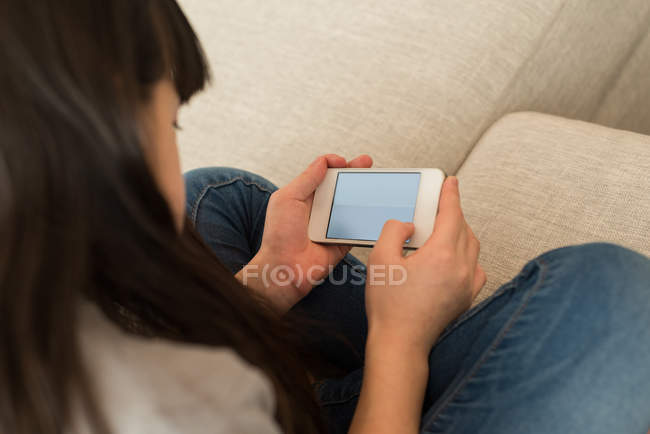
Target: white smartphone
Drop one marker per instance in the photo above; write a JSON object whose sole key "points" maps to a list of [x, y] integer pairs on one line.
{"points": [[352, 205]]}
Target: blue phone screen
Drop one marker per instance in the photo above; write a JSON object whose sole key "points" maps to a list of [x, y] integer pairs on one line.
{"points": [[363, 201]]}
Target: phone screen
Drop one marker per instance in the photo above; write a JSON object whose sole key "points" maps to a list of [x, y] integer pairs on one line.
{"points": [[363, 201]]}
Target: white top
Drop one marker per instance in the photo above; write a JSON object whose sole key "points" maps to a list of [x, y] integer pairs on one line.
{"points": [[155, 386]]}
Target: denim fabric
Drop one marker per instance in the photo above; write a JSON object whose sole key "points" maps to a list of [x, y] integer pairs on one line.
{"points": [[563, 347]]}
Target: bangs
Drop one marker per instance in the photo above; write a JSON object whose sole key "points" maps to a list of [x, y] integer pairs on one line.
{"points": [[182, 55]]}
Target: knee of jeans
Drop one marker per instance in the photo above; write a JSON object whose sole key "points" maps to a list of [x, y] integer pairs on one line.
{"points": [[197, 180], [604, 271], [600, 256]]}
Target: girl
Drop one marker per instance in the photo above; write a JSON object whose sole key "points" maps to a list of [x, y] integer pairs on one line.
{"points": [[122, 303]]}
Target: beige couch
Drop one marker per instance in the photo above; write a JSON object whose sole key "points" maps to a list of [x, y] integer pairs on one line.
{"points": [[427, 83]]}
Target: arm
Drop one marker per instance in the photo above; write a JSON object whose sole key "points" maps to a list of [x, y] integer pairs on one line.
{"points": [[441, 280], [394, 381]]}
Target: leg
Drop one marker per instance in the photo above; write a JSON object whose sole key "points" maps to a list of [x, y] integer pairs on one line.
{"points": [[566, 341], [228, 208], [573, 356]]}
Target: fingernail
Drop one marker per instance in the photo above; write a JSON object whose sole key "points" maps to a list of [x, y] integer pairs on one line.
{"points": [[454, 181]]}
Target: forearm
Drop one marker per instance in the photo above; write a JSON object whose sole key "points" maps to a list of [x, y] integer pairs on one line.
{"points": [[394, 381]]}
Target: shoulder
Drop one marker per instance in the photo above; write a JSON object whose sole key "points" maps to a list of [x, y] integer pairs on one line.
{"points": [[148, 385]]}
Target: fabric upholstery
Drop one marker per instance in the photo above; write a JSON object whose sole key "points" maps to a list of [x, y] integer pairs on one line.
{"points": [[536, 182], [413, 83], [417, 83], [625, 105]]}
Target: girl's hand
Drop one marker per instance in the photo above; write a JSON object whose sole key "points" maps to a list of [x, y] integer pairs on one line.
{"points": [[288, 262], [438, 282], [440, 279]]}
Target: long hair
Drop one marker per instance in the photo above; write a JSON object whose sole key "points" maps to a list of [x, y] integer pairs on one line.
{"points": [[81, 216]]}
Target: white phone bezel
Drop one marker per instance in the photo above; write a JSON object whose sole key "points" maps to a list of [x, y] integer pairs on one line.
{"points": [[426, 206]]}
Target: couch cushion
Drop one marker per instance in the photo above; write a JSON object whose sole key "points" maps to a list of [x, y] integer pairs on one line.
{"points": [[413, 83], [536, 182], [626, 104]]}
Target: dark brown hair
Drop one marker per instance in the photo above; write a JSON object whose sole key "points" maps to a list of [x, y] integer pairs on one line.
{"points": [[82, 218]]}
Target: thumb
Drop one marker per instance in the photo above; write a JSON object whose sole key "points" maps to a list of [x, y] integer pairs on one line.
{"points": [[306, 183], [392, 238]]}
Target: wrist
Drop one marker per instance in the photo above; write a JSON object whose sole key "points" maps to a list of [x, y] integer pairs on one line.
{"points": [[409, 343], [271, 281], [401, 360]]}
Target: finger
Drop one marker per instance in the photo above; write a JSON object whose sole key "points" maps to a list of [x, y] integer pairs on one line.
{"points": [[339, 253], [392, 238], [336, 252], [450, 221], [479, 281], [473, 245], [304, 185], [362, 161], [335, 161], [449, 229]]}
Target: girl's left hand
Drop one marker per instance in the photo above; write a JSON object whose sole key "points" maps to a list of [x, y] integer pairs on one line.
{"points": [[288, 262]]}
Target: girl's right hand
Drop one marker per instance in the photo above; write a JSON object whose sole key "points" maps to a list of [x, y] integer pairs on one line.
{"points": [[439, 280]]}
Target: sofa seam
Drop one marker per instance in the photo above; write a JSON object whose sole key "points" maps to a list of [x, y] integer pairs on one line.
{"points": [[617, 76], [485, 126]]}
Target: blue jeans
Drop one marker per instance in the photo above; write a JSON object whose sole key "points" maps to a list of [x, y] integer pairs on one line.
{"points": [[564, 347]]}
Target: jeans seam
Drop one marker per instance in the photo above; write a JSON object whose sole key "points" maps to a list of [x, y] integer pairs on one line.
{"points": [[476, 310], [497, 341], [204, 191], [340, 401]]}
